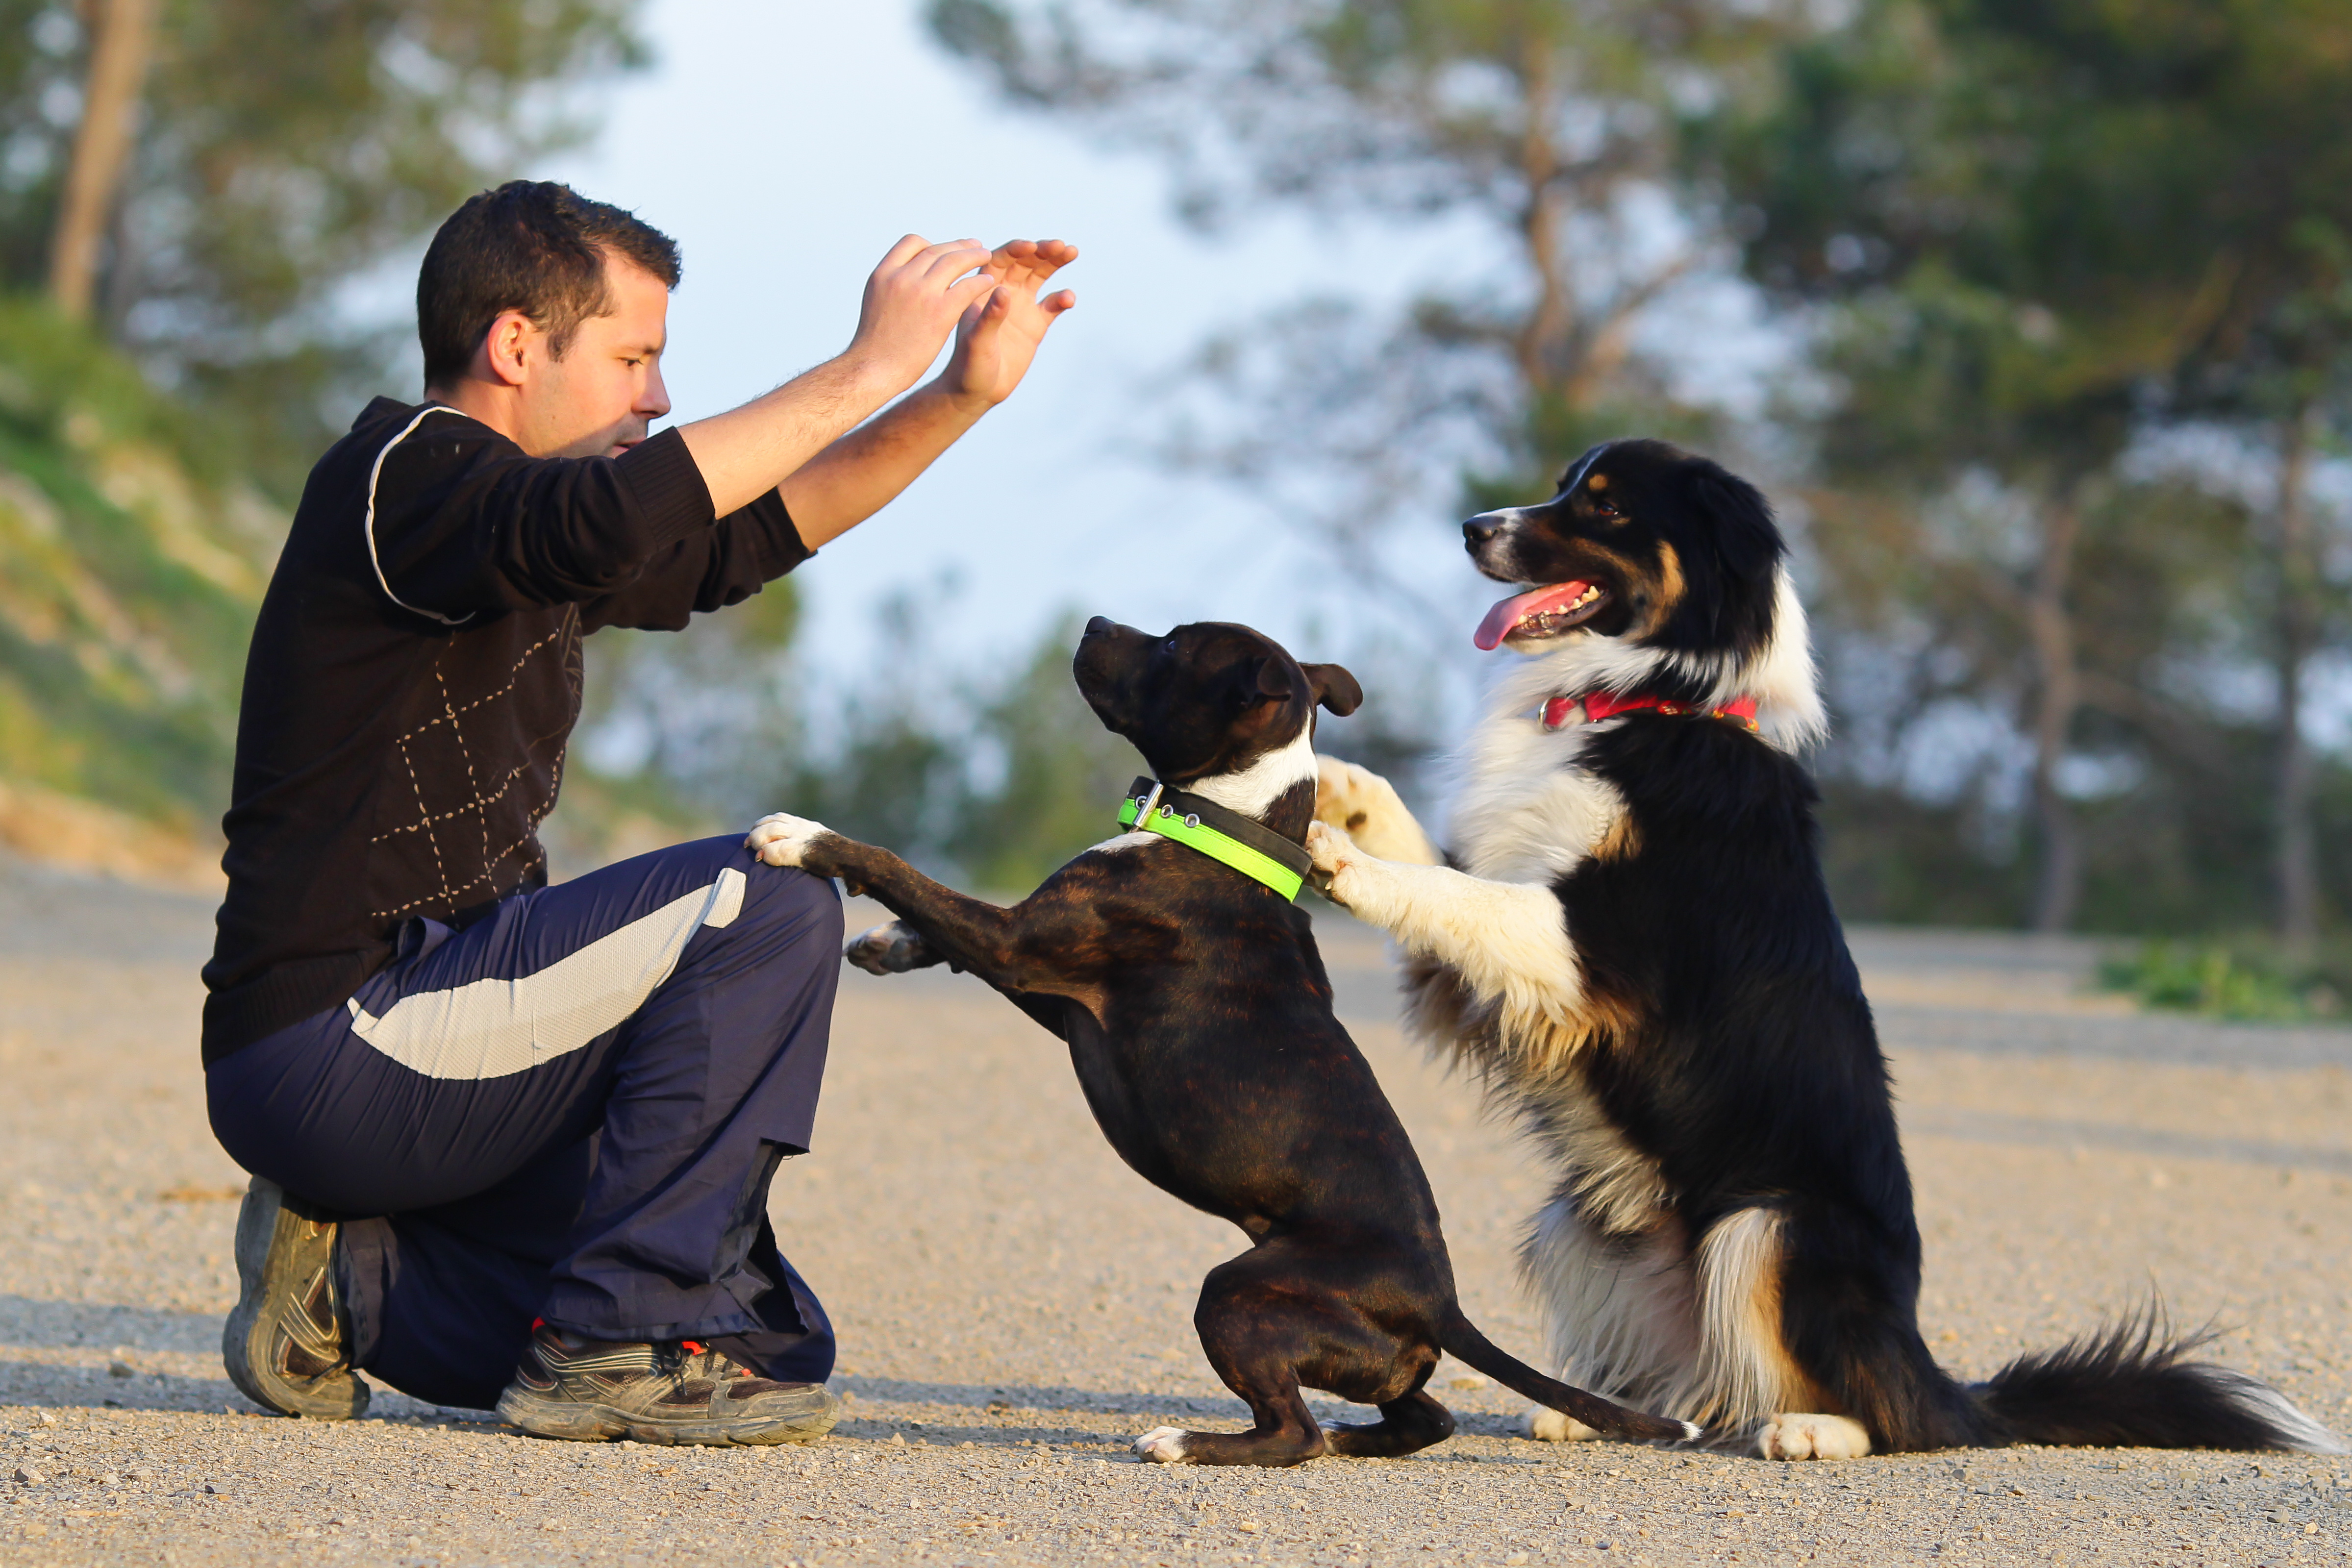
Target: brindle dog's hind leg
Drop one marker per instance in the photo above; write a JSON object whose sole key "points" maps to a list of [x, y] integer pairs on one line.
{"points": [[1257, 1334], [1406, 1425]]}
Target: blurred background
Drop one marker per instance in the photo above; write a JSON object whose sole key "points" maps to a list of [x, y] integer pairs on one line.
{"points": [[2033, 316]]}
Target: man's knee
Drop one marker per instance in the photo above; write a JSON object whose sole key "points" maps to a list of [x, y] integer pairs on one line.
{"points": [[792, 898]]}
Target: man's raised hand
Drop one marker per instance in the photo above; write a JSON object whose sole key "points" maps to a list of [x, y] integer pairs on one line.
{"points": [[914, 299], [998, 335]]}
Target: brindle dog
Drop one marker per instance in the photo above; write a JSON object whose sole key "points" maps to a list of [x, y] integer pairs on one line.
{"points": [[1199, 1017]]}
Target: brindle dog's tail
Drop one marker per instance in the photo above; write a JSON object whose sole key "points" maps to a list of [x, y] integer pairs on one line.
{"points": [[1465, 1343]]}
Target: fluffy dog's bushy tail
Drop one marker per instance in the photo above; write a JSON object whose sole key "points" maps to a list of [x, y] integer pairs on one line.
{"points": [[2132, 1386]]}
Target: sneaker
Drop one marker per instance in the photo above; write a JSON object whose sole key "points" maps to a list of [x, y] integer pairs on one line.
{"points": [[284, 1345], [681, 1391]]}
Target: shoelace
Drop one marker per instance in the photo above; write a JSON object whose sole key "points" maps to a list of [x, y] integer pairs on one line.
{"points": [[678, 1358]]}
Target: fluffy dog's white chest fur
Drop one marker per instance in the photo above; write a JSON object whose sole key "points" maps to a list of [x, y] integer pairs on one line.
{"points": [[1528, 811]]}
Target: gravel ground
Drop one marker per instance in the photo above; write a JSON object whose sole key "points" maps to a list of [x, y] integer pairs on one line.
{"points": [[1015, 1305]]}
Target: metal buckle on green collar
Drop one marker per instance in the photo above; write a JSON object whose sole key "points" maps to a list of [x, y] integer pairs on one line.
{"points": [[1147, 812]]}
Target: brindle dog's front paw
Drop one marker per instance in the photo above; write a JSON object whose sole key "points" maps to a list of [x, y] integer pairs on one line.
{"points": [[781, 839], [891, 949]]}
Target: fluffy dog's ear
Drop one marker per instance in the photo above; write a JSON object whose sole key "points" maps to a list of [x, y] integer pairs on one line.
{"points": [[1334, 687], [1745, 540]]}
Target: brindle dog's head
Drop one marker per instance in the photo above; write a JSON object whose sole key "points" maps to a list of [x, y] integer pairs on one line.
{"points": [[1207, 699], [1644, 542]]}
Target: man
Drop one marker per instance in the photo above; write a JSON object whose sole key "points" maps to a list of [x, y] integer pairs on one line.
{"points": [[507, 1136]]}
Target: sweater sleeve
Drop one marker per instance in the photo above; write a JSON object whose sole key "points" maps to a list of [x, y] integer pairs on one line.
{"points": [[460, 522], [706, 571]]}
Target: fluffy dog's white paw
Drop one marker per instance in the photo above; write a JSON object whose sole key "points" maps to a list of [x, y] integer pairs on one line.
{"points": [[1162, 1444], [1546, 1425], [1366, 808], [1801, 1437], [781, 839], [1346, 794], [1333, 852], [891, 949]]}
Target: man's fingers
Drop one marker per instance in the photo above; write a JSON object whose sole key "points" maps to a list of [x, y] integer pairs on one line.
{"points": [[1055, 304], [942, 261], [1030, 260], [908, 246]]}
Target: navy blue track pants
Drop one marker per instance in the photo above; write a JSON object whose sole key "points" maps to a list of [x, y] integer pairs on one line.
{"points": [[568, 1109]]}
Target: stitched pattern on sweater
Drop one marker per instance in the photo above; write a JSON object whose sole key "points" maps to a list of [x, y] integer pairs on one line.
{"points": [[501, 867]]}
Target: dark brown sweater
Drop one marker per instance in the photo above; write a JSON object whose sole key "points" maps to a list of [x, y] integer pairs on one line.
{"points": [[414, 676]]}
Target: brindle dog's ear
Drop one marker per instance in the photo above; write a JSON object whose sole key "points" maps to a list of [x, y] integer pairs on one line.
{"points": [[1261, 681], [1334, 687]]}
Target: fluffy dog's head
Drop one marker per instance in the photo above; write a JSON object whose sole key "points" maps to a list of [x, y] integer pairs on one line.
{"points": [[1210, 701], [1652, 570]]}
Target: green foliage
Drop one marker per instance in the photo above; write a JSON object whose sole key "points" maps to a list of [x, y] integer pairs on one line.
{"points": [[132, 562], [2247, 980], [286, 150]]}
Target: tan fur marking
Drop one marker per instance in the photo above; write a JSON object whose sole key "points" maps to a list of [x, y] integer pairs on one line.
{"points": [[1670, 587], [1622, 841], [1745, 1369], [1597, 481]]}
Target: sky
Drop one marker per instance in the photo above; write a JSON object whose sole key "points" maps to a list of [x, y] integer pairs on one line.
{"points": [[787, 145]]}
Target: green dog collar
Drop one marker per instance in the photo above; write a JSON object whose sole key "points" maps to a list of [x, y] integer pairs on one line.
{"points": [[1251, 847]]}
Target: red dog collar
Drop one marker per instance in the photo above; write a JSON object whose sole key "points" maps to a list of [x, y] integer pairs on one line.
{"points": [[1598, 705]]}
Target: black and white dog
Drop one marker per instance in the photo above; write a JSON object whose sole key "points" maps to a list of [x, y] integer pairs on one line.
{"points": [[1631, 943], [1199, 1018]]}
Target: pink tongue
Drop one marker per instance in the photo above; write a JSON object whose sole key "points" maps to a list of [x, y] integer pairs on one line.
{"points": [[1501, 619]]}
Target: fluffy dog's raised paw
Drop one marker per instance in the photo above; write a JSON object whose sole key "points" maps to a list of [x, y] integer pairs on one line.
{"points": [[781, 839], [891, 949], [1332, 852], [1162, 1444], [1804, 1437], [1346, 795]]}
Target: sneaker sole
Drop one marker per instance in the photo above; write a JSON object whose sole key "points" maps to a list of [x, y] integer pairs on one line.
{"points": [[574, 1421], [264, 1271]]}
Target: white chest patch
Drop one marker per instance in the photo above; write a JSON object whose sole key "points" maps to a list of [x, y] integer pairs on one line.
{"points": [[1526, 810], [1124, 842], [1257, 786]]}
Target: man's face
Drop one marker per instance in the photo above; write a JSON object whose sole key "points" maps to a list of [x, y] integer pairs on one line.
{"points": [[598, 399]]}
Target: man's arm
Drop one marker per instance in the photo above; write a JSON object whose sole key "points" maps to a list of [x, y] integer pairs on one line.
{"points": [[912, 301], [864, 471]]}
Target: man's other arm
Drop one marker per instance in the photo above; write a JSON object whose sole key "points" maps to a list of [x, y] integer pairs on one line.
{"points": [[862, 472], [997, 338]]}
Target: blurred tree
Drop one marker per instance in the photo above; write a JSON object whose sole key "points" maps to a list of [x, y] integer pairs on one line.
{"points": [[1549, 130], [2260, 91], [281, 151], [122, 41], [2009, 213]]}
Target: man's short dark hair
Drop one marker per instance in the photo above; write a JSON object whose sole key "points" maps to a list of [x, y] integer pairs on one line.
{"points": [[531, 246]]}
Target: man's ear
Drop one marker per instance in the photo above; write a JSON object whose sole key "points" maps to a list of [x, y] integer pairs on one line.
{"points": [[1334, 687]]}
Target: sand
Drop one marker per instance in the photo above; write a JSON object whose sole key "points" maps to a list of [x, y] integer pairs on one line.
{"points": [[1014, 1305]]}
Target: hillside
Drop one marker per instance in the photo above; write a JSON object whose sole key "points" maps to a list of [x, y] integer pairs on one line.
{"points": [[131, 561]]}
